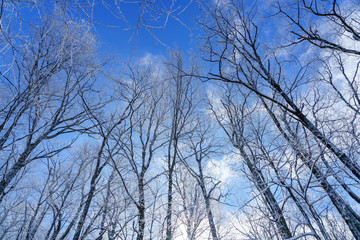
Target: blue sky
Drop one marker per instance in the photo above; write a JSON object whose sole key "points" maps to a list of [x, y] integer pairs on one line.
{"points": [[115, 39]]}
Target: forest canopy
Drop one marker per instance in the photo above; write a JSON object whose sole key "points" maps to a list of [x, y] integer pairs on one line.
{"points": [[206, 119]]}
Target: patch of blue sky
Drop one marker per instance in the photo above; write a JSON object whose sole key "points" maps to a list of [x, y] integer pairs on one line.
{"points": [[121, 37]]}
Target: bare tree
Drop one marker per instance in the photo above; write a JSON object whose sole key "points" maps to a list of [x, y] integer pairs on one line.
{"points": [[233, 122], [142, 140], [182, 104], [192, 212], [234, 44], [307, 19], [201, 147], [43, 101], [240, 39], [69, 183], [106, 150]]}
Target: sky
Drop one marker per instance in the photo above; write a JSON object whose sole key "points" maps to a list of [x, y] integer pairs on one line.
{"points": [[118, 37]]}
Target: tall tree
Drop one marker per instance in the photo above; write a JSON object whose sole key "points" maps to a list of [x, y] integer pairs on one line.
{"points": [[234, 123], [143, 138], [43, 98], [181, 96], [201, 146]]}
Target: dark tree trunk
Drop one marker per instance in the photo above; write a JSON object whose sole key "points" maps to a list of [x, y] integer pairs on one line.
{"points": [[141, 209], [351, 218], [269, 198]]}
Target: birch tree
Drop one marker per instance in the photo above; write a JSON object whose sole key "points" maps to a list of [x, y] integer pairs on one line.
{"points": [[182, 104]]}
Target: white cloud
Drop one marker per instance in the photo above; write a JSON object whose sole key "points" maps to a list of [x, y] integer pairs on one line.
{"points": [[223, 169], [149, 59]]}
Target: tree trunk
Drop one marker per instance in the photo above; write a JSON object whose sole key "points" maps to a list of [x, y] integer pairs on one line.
{"points": [[351, 218], [169, 207], [141, 209], [269, 198]]}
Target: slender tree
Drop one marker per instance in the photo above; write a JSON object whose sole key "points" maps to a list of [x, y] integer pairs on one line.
{"points": [[234, 124], [144, 136], [202, 145], [182, 104]]}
